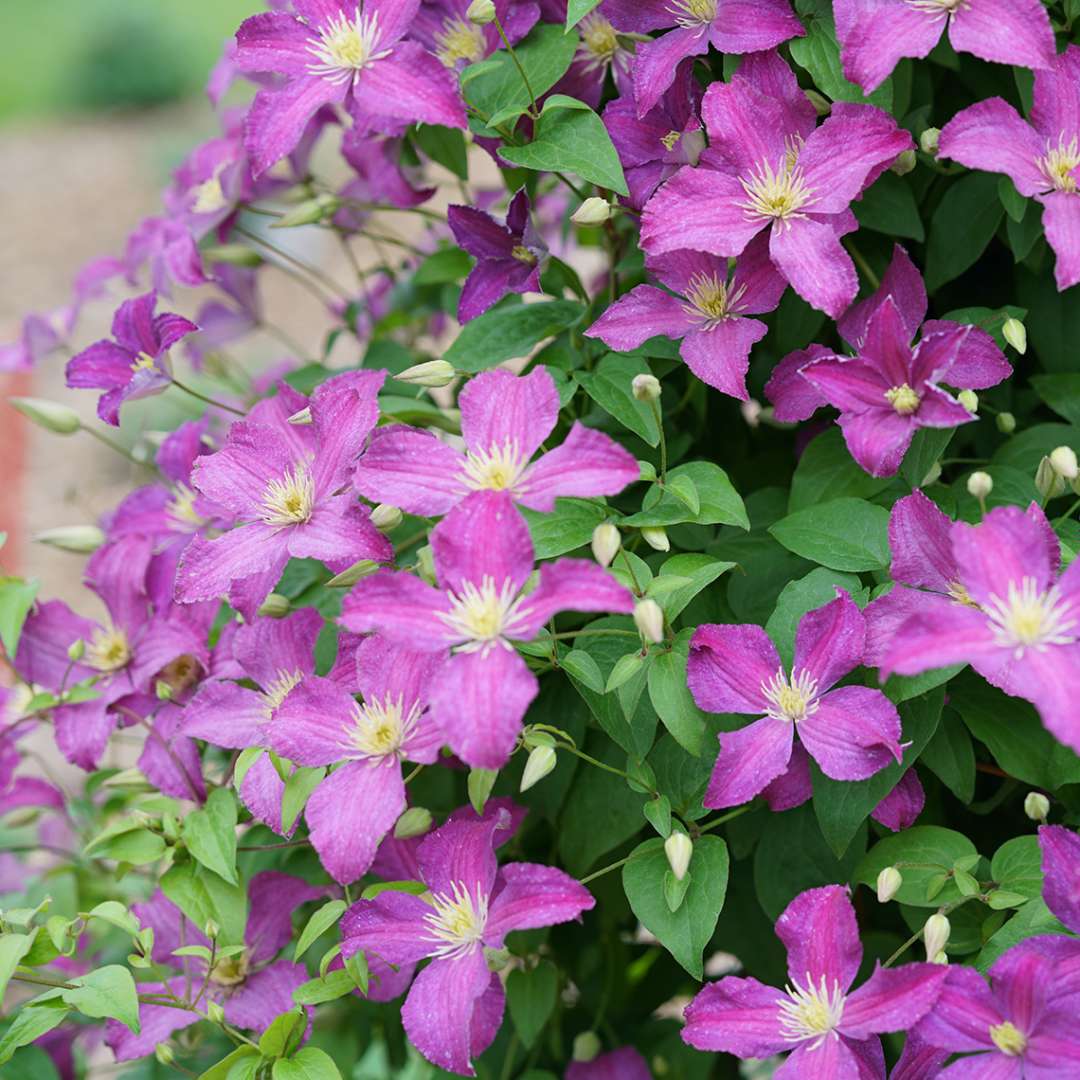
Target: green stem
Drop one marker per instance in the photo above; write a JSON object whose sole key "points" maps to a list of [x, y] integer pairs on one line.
{"points": [[604, 870], [298, 268], [864, 266], [659, 417], [638, 590], [562, 635], [121, 450], [208, 400], [723, 818], [517, 63], [946, 910]]}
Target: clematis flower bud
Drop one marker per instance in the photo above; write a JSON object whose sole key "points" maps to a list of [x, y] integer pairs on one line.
{"points": [[232, 255], [215, 1013], [645, 387], [822, 105], [656, 538], [649, 619], [275, 606], [605, 543], [363, 568], [480, 12], [1015, 333], [888, 884], [541, 760], [751, 412], [80, 539], [386, 518], [969, 399], [76, 650], [928, 140], [302, 418], [679, 849], [1063, 461], [1006, 423], [211, 930], [416, 821], [1036, 806], [164, 1054], [1047, 481], [309, 212], [50, 415], [432, 373], [936, 937], [980, 484], [586, 1046], [594, 211], [425, 564], [904, 163]]}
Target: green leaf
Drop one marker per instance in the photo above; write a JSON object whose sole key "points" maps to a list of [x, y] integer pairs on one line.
{"points": [[699, 571], [570, 137], [336, 984], [608, 384], [301, 783], [951, 757], [311, 1063], [504, 333], [845, 534], [1014, 203], [685, 932], [1032, 919], [927, 447], [581, 666], [450, 264], [116, 914], [16, 599], [804, 595], [320, 921], [210, 834], [626, 667], [671, 697], [30, 1023], [284, 1035], [682, 777], [135, 846], [576, 10], [445, 146], [1061, 393], [569, 526], [531, 998], [827, 470], [13, 947], [202, 895], [819, 54], [963, 224], [920, 854], [479, 786], [720, 503], [223, 1069], [108, 992], [1017, 866], [889, 207]]}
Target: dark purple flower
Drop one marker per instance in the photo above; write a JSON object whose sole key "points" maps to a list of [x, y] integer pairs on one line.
{"points": [[443, 27]]}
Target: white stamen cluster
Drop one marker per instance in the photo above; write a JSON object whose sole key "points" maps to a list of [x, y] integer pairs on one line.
{"points": [[793, 699], [482, 616], [345, 47], [692, 14], [459, 40], [1058, 163], [778, 192], [458, 921], [108, 650], [811, 1012], [278, 689], [1028, 618], [382, 727], [708, 299], [496, 469], [290, 500], [599, 42]]}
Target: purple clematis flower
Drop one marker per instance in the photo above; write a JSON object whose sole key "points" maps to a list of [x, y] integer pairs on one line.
{"points": [[851, 732], [37, 339], [602, 48], [831, 1030], [135, 363], [1022, 1029], [901, 808], [286, 491], [1021, 628], [167, 247], [769, 168], [710, 311], [443, 27], [504, 419], [221, 324], [483, 558], [252, 986], [455, 1006], [380, 178], [508, 257], [876, 34], [1041, 156], [622, 1064], [320, 724], [338, 52]]}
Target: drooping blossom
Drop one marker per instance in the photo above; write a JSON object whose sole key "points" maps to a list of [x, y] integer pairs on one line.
{"points": [[508, 257], [38, 338], [288, 492], [166, 248], [504, 420], [483, 557], [622, 1064], [1021, 628], [1041, 155], [769, 168], [252, 987], [135, 363], [852, 732], [380, 178], [222, 323], [443, 28], [831, 1030], [455, 1005], [335, 52], [707, 308], [876, 34]]}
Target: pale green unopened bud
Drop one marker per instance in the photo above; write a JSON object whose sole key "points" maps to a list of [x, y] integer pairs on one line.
{"points": [[980, 484], [936, 937], [888, 884], [605, 543], [1063, 462], [645, 387], [480, 12], [386, 518], [541, 760], [679, 849], [479, 786], [302, 418], [1047, 482], [1006, 423], [416, 821], [309, 212], [211, 930], [80, 539], [594, 211], [586, 1046], [215, 1013], [363, 568], [163, 691], [76, 650], [904, 163], [1036, 806], [425, 564], [822, 105], [233, 255], [928, 140], [275, 606], [50, 415], [649, 619], [656, 537], [432, 373], [1015, 333], [751, 410], [969, 399], [164, 1054]]}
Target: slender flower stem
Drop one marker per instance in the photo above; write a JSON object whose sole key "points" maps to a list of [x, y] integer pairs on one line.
{"points": [[948, 909], [208, 400], [604, 870], [724, 818], [864, 266], [517, 63], [112, 445], [295, 265], [562, 635], [414, 774], [659, 417]]}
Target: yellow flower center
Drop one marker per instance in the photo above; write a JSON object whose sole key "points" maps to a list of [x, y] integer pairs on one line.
{"points": [[903, 399], [523, 255], [181, 508], [811, 1012], [779, 193], [1008, 1038], [496, 469], [109, 649], [1027, 618], [345, 47], [793, 699], [459, 40], [290, 500], [230, 971], [708, 298], [278, 689], [599, 41], [690, 14], [937, 7], [457, 923], [142, 362], [482, 616], [671, 140], [209, 196], [1058, 163], [181, 673], [381, 727]]}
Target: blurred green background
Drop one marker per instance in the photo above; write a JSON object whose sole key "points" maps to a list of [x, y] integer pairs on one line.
{"points": [[72, 56]]}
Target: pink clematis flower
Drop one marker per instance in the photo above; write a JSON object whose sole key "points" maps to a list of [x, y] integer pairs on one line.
{"points": [[338, 52], [831, 1030], [286, 492], [851, 732], [1021, 628], [483, 558], [622, 1064], [876, 34], [455, 1005], [504, 420], [1041, 156], [443, 27], [602, 47], [135, 363], [769, 168], [709, 311]]}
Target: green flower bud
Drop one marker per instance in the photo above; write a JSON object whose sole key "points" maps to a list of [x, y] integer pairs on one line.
{"points": [[50, 415], [888, 884], [586, 1046], [936, 936], [1047, 481], [1036, 806], [649, 619], [980, 484], [215, 1013], [1015, 333], [302, 418], [656, 538], [432, 373], [363, 568], [645, 387], [541, 760], [480, 12], [594, 211], [275, 606], [309, 212], [969, 399], [164, 1054], [928, 140], [679, 849], [1063, 461], [1006, 423], [605, 543], [76, 650], [386, 518], [416, 821], [233, 255], [822, 105], [79, 539], [904, 163]]}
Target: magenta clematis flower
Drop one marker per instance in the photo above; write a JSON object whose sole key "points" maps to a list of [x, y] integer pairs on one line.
{"points": [[286, 491], [455, 1005], [710, 312], [504, 419], [135, 363], [320, 724], [443, 27], [1040, 156], [37, 339], [221, 324], [508, 257], [252, 987], [338, 52], [831, 1030], [851, 732], [1020, 628], [1022, 1029], [380, 178], [876, 34], [483, 558], [769, 168], [622, 1064], [890, 389], [167, 248], [602, 48], [901, 808]]}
